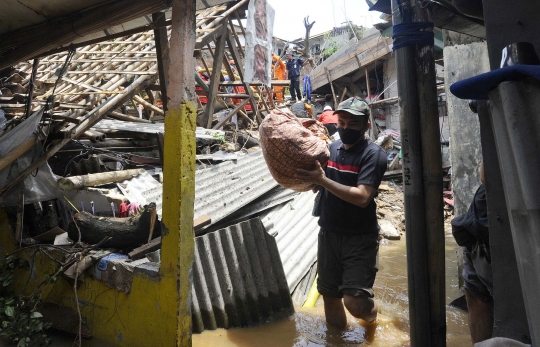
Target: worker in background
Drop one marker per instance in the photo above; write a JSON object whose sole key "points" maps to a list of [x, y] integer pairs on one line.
{"points": [[472, 233], [329, 119], [302, 109], [293, 74], [279, 74], [348, 239]]}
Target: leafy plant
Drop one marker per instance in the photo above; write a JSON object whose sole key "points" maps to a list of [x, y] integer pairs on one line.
{"points": [[217, 136], [20, 322]]}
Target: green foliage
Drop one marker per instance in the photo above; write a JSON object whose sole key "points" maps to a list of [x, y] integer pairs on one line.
{"points": [[20, 323], [217, 136], [359, 31]]}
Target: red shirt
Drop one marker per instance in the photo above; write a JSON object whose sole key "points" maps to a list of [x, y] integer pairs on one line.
{"points": [[123, 211], [328, 117]]}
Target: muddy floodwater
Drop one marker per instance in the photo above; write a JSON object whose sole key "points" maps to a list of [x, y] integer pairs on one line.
{"points": [[308, 328]]}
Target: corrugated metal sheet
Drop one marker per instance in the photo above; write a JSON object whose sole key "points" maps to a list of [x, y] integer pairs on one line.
{"points": [[296, 232], [223, 189], [274, 197], [219, 190], [238, 279]]}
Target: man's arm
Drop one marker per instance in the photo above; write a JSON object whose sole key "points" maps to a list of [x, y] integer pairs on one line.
{"points": [[304, 63], [360, 195]]}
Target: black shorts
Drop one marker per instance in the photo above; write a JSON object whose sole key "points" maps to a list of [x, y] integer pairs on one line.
{"points": [[346, 263], [477, 274]]}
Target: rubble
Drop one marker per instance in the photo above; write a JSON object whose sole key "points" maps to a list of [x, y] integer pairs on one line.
{"points": [[96, 148], [390, 210]]}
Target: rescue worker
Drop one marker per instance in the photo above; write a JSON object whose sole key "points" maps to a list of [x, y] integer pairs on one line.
{"points": [[293, 74], [348, 238], [302, 109], [279, 74]]}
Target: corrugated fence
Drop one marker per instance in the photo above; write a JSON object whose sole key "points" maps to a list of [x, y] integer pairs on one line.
{"points": [[238, 278]]}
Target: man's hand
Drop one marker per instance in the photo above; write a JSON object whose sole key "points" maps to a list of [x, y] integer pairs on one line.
{"points": [[315, 177]]}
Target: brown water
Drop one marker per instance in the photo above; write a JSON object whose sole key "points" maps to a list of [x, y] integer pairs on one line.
{"points": [[308, 328]]}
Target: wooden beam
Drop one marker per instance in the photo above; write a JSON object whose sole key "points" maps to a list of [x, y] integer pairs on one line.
{"points": [[210, 36], [206, 119], [231, 114], [274, 83], [239, 67], [343, 95], [104, 38], [373, 128], [162, 52], [331, 86], [31, 88], [237, 39], [235, 96], [368, 90]]}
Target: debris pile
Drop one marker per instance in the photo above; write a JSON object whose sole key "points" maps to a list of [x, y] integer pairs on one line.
{"points": [[390, 141], [390, 210], [81, 161]]}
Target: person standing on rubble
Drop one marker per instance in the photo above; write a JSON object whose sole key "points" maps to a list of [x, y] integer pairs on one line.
{"points": [[348, 238], [279, 74], [293, 74]]}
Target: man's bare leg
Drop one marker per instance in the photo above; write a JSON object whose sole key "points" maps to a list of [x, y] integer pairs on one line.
{"points": [[361, 307], [480, 318], [335, 312]]}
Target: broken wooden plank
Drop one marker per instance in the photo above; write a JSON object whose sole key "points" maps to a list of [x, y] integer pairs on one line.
{"points": [[206, 119], [231, 114], [155, 244], [140, 252], [201, 222], [331, 86]]}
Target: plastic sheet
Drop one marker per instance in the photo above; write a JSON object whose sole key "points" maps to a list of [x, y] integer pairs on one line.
{"points": [[39, 186]]}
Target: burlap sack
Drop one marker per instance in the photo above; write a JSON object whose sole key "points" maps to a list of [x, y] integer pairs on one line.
{"points": [[288, 144]]}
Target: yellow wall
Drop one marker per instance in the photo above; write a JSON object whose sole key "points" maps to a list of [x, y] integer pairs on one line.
{"points": [[156, 311]]}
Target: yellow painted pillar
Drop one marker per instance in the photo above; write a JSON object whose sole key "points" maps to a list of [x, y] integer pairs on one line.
{"points": [[179, 164]]}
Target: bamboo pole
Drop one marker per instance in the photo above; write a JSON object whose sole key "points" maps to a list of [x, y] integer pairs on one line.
{"points": [[94, 135], [92, 118], [121, 116], [145, 103], [92, 180]]}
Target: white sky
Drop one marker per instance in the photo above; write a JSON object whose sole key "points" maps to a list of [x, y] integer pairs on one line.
{"points": [[289, 20]]}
